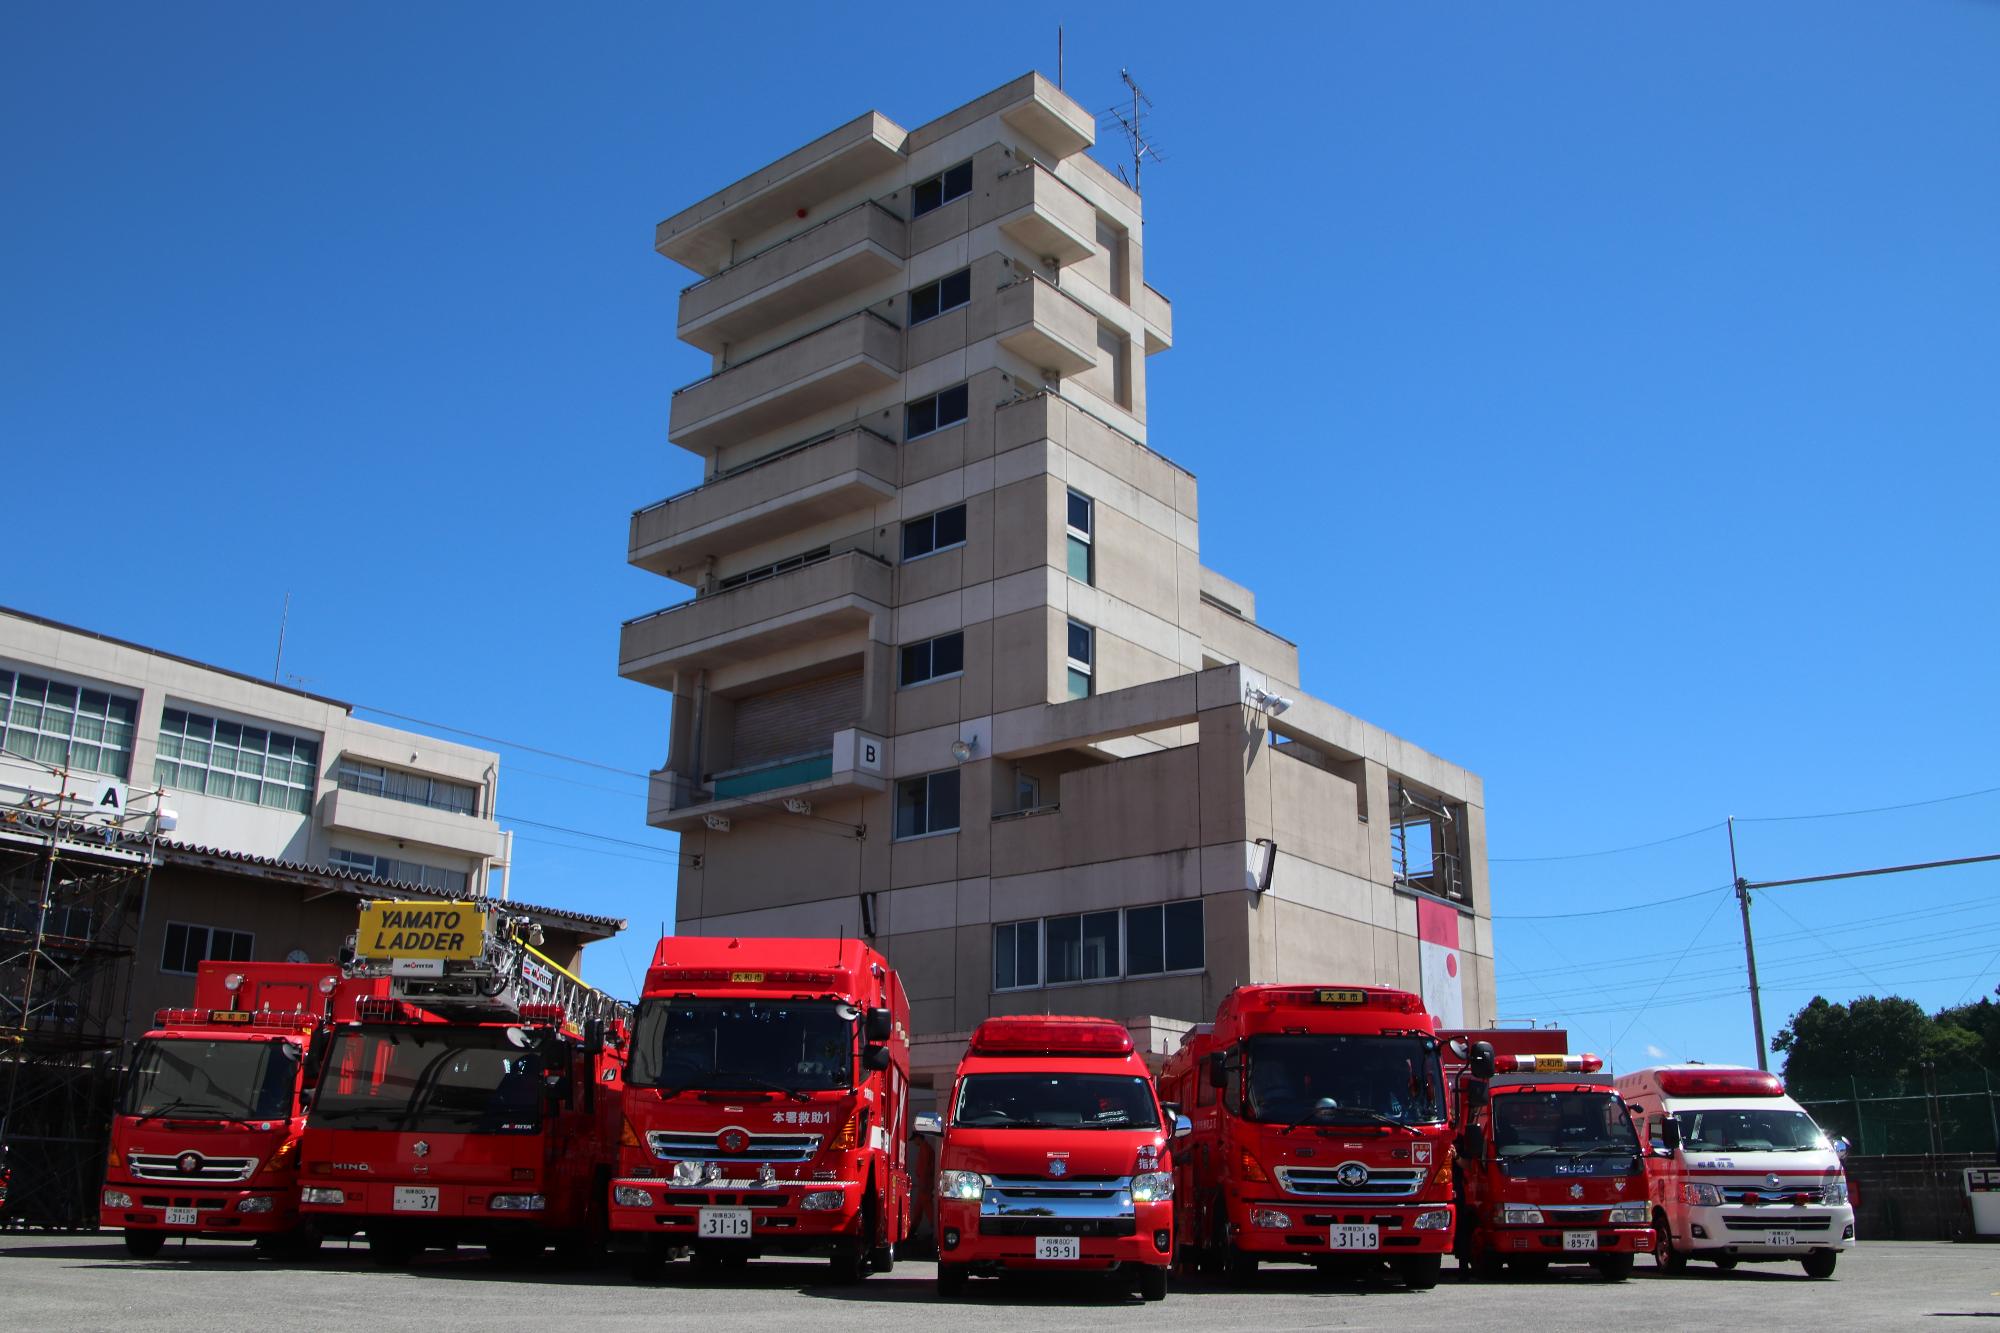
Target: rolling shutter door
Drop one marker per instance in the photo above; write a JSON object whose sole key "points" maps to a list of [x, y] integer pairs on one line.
{"points": [[799, 719]]}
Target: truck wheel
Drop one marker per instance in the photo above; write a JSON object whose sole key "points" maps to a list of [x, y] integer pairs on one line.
{"points": [[1724, 1262], [1238, 1267], [1420, 1271], [144, 1244], [303, 1243], [1529, 1270], [882, 1259], [1818, 1264], [649, 1264], [1665, 1257], [392, 1249], [1152, 1282], [850, 1264], [951, 1281], [1613, 1267]]}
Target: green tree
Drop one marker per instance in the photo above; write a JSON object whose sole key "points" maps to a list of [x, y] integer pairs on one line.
{"points": [[1890, 1035], [1981, 1020]]}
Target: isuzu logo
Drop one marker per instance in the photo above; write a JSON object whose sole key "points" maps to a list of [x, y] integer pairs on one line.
{"points": [[1351, 1174], [189, 1163], [421, 1148], [1576, 1191]]}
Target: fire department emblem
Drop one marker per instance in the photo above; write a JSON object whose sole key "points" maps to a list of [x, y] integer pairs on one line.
{"points": [[1576, 1191], [1351, 1174], [189, 1163], [1058, 1167], [732, 1141], [421, 1148]]}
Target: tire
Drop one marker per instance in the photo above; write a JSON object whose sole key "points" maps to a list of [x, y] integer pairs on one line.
{"points": [[1238, 1267], [850, 1265], [1153, 1283], [1486, 1267], [1665, 1257], [144, 1244], [1420, 1271], [1818, 1265], [951, 1281], [392, 1249], [515, 1251], [648, 1265], [882, 1259], [1613, 1267], [1724, 1262], [303, 1243]]}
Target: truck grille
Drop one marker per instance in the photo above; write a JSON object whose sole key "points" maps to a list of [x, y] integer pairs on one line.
{"points": [[702, 1147], [1324, 1182], [1770, 1196], [161, 1166]]}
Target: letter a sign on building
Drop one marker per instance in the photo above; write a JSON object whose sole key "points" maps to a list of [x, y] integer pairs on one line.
{"points": [[1440, 964]]}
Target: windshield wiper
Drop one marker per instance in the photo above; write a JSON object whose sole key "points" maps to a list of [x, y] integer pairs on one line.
{"points": [[180, 1105], [1372, 1114], [758, 1080]]}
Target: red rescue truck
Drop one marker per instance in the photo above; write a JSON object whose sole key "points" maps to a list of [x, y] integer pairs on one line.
{"points": [[205, 1140], [1550, 1165], [473, 1098], [1321, 1133], [767, 1107], [1056, 1156]]}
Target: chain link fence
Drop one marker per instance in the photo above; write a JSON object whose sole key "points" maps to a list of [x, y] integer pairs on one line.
{"points": [[1925, 1113]]}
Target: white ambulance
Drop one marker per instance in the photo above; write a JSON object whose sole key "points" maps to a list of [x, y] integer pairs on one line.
{"points": [[1739, 1173]]}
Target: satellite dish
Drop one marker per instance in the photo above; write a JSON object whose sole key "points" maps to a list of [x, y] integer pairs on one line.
{"points": [[298, 956]]}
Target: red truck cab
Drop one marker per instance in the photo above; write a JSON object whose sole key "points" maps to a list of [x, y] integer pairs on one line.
{"points": [[205, 1139], [1056, 1156], [767, 1107], [1551, 1170], [1321, 1133]]}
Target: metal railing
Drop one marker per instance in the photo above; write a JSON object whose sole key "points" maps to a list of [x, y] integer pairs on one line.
{"points": [[702, 598], [789, 342], [735, 264], [764, 460]]}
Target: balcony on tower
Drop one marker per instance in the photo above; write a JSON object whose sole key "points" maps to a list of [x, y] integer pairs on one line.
{"points": [[830, 260], [835, 364], [1045, 214], [1046, 326]]}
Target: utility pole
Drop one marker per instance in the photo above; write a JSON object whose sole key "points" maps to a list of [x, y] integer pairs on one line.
{"points": [[1749, 949]]}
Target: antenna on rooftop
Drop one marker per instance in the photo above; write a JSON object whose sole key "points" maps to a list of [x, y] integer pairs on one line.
{"points": [[284, 619], [1131, 121], [1059, 55]]}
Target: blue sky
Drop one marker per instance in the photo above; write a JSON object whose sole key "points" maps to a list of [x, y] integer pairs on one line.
{"points": [[1602, 398]]}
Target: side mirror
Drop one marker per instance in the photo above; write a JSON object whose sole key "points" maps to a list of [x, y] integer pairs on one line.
{"points": [[1182, 1126], [305, 1099], [875, 1057], [1670, 1133], [593, 1038], [1218, 1070], [1479, 1060], [927, 1122], [316, 1053], [1476, 1093], [1472, 1143], [879, 1026]]}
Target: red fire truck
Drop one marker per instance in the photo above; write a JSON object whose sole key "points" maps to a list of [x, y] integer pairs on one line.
{"points": [[206, 1136], [1551, 1168], [473, 1097], [1321, 1133], [1056, 1156], [767, 1107]]}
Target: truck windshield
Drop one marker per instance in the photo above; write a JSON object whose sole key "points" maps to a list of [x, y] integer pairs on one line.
{"points": [[736, 1045], [1531, 1124], [1750, 1131], [1050, 1101], [229, 1080], [1342, 1079], [435, 1080]]}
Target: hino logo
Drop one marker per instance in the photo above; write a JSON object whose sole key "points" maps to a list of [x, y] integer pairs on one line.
{"points": [[421, 1148], [190, 1163], [1351, 1174]]}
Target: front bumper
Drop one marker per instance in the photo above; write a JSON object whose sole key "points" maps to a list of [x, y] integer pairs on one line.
{"points": [[367, 1199], [1745, 1232], [778, 1217], [1144, 1236], [1309, 1234], [1551, 1242], [218, 1212]]}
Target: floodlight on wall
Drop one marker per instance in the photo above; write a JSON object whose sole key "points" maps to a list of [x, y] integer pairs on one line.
{"points": [[716, 823], [1273, 704], [962, 750]]}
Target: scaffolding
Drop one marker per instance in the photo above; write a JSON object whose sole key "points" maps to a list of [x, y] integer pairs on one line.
{"points": [[73, 887], [1427, 842]]}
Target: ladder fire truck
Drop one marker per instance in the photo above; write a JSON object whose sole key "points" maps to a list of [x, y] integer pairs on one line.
{"points": [[475, 1097]]}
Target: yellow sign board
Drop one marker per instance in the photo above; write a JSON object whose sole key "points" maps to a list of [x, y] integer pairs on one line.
{"points": [[1343, 997], [1551, 1064], [454, 931], [749, 978]]}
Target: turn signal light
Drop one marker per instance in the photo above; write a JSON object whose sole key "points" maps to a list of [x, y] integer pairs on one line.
{"points": [[850, 1134], [1248, 1167], [626, 1137]]}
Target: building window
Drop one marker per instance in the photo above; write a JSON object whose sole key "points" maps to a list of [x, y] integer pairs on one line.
{"points": [[1017, 955], [401, 872], [1166, 938], [927, 804], [236, 762], [185, 946], [1082, 524], [1027, 791], [934, 532], [933, 659], [772, 570], [64, 726], [946, 407], [934, 298], [1082, 656], [1082, 948], [413, 788], [951, 183]]}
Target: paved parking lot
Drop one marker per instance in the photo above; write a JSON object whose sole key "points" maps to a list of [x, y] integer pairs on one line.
{"points": [[86, 1282]]}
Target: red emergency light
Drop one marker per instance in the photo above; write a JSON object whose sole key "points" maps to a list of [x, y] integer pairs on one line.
{"points": [[378, 1009], [1037, 1035], [819, 979], [1547, 1064], [543, 1013], [1720, 1083], [167, 1018]]}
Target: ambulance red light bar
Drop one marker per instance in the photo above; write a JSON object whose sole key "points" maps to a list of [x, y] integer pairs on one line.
{"points": [[1050, 1036], [543, 1013], [1720, 1083], [1547, 1064], [817, 979]]}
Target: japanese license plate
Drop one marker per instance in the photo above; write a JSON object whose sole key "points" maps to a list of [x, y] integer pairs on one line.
{"points": [[723, 1224], [1354, 1238], [1579, 1240], [183, 1217], [414, 1199], [1058, 1247], [1782, 1237]]}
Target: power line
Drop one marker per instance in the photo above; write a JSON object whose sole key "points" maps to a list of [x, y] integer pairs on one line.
{"points": [[497, 740], [665, 860], [1874, 810], [1706, 922], [585, 833], [1610, 851], [1606, 911]]}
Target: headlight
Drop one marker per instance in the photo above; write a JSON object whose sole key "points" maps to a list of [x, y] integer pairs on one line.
{"points": [[117, 1199], [256, 1203], [313, 1194], [1270, 1217], [688, 1173], [1630, 1215], [1520, 1217], [1701, 1194], [517, 1203], [961, 1185], [1836, 1191], [631, 1196], [821, 1201], [1437, 1219], [1152, 1186]]}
